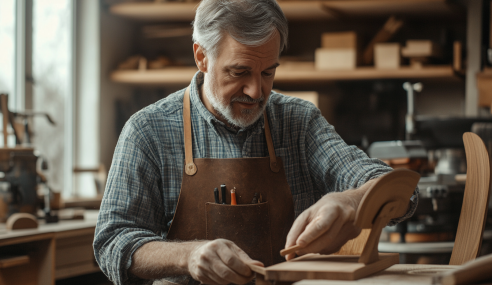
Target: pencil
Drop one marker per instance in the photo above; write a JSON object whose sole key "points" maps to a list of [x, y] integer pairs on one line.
{"points": [[233, 196]]}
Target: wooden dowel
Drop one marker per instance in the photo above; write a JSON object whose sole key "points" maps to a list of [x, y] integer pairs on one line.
{"points": [[290, 250]]}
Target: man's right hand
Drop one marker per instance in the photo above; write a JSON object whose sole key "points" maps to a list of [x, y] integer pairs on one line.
{"points": [[220, 262]]}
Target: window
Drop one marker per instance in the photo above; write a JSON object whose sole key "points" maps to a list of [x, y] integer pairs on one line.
{"points": [[36, 71], [7, 42], [52, 33]]}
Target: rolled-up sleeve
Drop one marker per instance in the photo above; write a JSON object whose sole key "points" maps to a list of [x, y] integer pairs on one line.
{"points": [[131, 212], [338, 167]]}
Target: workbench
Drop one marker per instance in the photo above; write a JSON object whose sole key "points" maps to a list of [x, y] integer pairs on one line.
{"points": [[395, 275], [50, 252]]}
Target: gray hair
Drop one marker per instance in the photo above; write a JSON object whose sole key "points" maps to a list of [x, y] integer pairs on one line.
{"points": [[250, 22]]}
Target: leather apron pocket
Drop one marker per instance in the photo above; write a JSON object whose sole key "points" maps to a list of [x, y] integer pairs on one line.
{"points": [[247, 225]]}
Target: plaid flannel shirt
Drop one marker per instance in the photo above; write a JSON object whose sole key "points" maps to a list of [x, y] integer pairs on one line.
{"points": [[145, 177]]}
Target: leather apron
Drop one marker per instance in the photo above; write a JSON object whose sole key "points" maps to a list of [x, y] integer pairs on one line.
{"points": [[259, 229]]}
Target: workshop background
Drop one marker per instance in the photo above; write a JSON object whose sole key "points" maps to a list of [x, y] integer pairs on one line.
{"points": [[402, 80]]}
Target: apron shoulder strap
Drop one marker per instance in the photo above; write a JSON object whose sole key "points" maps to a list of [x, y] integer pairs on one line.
{"points": [[271, 150], [190, 167]]}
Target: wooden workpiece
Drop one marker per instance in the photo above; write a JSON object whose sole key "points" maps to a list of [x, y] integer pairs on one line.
{"points": [[475, 201], [20, 221], [385, 200]]}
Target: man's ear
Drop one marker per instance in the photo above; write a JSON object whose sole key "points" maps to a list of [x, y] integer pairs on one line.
{"points": [[201, 58]]}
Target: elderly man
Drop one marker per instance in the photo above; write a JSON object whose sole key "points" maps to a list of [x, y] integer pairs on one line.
{"points": [[277, 154]]}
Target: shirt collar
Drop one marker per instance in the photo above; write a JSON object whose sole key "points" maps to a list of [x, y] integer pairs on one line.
{"points": [[198, 105]]}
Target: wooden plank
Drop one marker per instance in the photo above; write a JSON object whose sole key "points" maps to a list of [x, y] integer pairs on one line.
{"points": [[475, 201], [297, 10], [76, 270], [7, 262], [335, 267], [422, 274], [75, 233], [470, 273], [457, 56], [289, 72], [24, 239], [5, 112], [175, 75]]}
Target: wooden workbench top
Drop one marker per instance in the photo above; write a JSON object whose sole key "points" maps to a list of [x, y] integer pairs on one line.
{"points": [[396, 274], [47, 231]]}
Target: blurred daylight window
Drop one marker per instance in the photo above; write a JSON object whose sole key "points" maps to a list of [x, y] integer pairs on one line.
{"points": [[52, 72], [7, 43]]}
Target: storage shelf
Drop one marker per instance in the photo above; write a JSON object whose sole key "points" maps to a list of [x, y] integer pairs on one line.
{"points": [[296, 73], [301, 10]]}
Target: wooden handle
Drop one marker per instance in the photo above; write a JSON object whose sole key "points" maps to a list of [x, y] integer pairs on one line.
{"points": [[290, 250]]}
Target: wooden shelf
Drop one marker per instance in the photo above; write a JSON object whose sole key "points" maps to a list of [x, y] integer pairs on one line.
{"points": [[287, 73], [300, 10], [174, 75]]}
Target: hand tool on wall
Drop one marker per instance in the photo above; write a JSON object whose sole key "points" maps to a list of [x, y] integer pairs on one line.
{"points": [[389, 29]]}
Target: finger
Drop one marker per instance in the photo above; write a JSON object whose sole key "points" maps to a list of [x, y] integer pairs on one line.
{"points": [[347, 217], [317, 227], [297, 228], [290, 256], [326, 245], [225, 274], [230, 257]]}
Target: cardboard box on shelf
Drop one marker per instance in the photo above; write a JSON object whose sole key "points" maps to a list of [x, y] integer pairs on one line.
{"points": [[387, 56], [333, 59], [420, 48], [339, 40]]}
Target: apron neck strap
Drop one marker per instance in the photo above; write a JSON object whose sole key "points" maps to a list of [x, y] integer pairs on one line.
{"points": [[271, 150], [190, 167]]}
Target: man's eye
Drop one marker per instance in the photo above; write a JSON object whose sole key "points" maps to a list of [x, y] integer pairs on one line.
{"points": [[237, 74], [268, 73]]}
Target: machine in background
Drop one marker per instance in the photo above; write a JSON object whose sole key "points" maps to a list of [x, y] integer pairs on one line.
{"points": [[434, 148], [21, 167]]}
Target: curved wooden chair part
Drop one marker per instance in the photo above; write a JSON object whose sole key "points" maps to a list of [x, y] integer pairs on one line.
{"points": [[475, 201], [369, 204], [387, 199]]}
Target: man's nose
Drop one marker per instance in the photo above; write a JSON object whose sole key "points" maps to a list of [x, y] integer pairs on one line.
{"points": [[252, 87]]}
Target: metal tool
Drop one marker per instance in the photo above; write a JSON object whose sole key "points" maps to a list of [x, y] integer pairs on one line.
{"points": [[410, 117]]}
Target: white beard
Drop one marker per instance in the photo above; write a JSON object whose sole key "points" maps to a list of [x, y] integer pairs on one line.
{"points": [[224, 109]]}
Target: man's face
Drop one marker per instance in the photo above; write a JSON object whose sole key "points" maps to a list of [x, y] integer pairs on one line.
{"points": [[238, 82]]}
